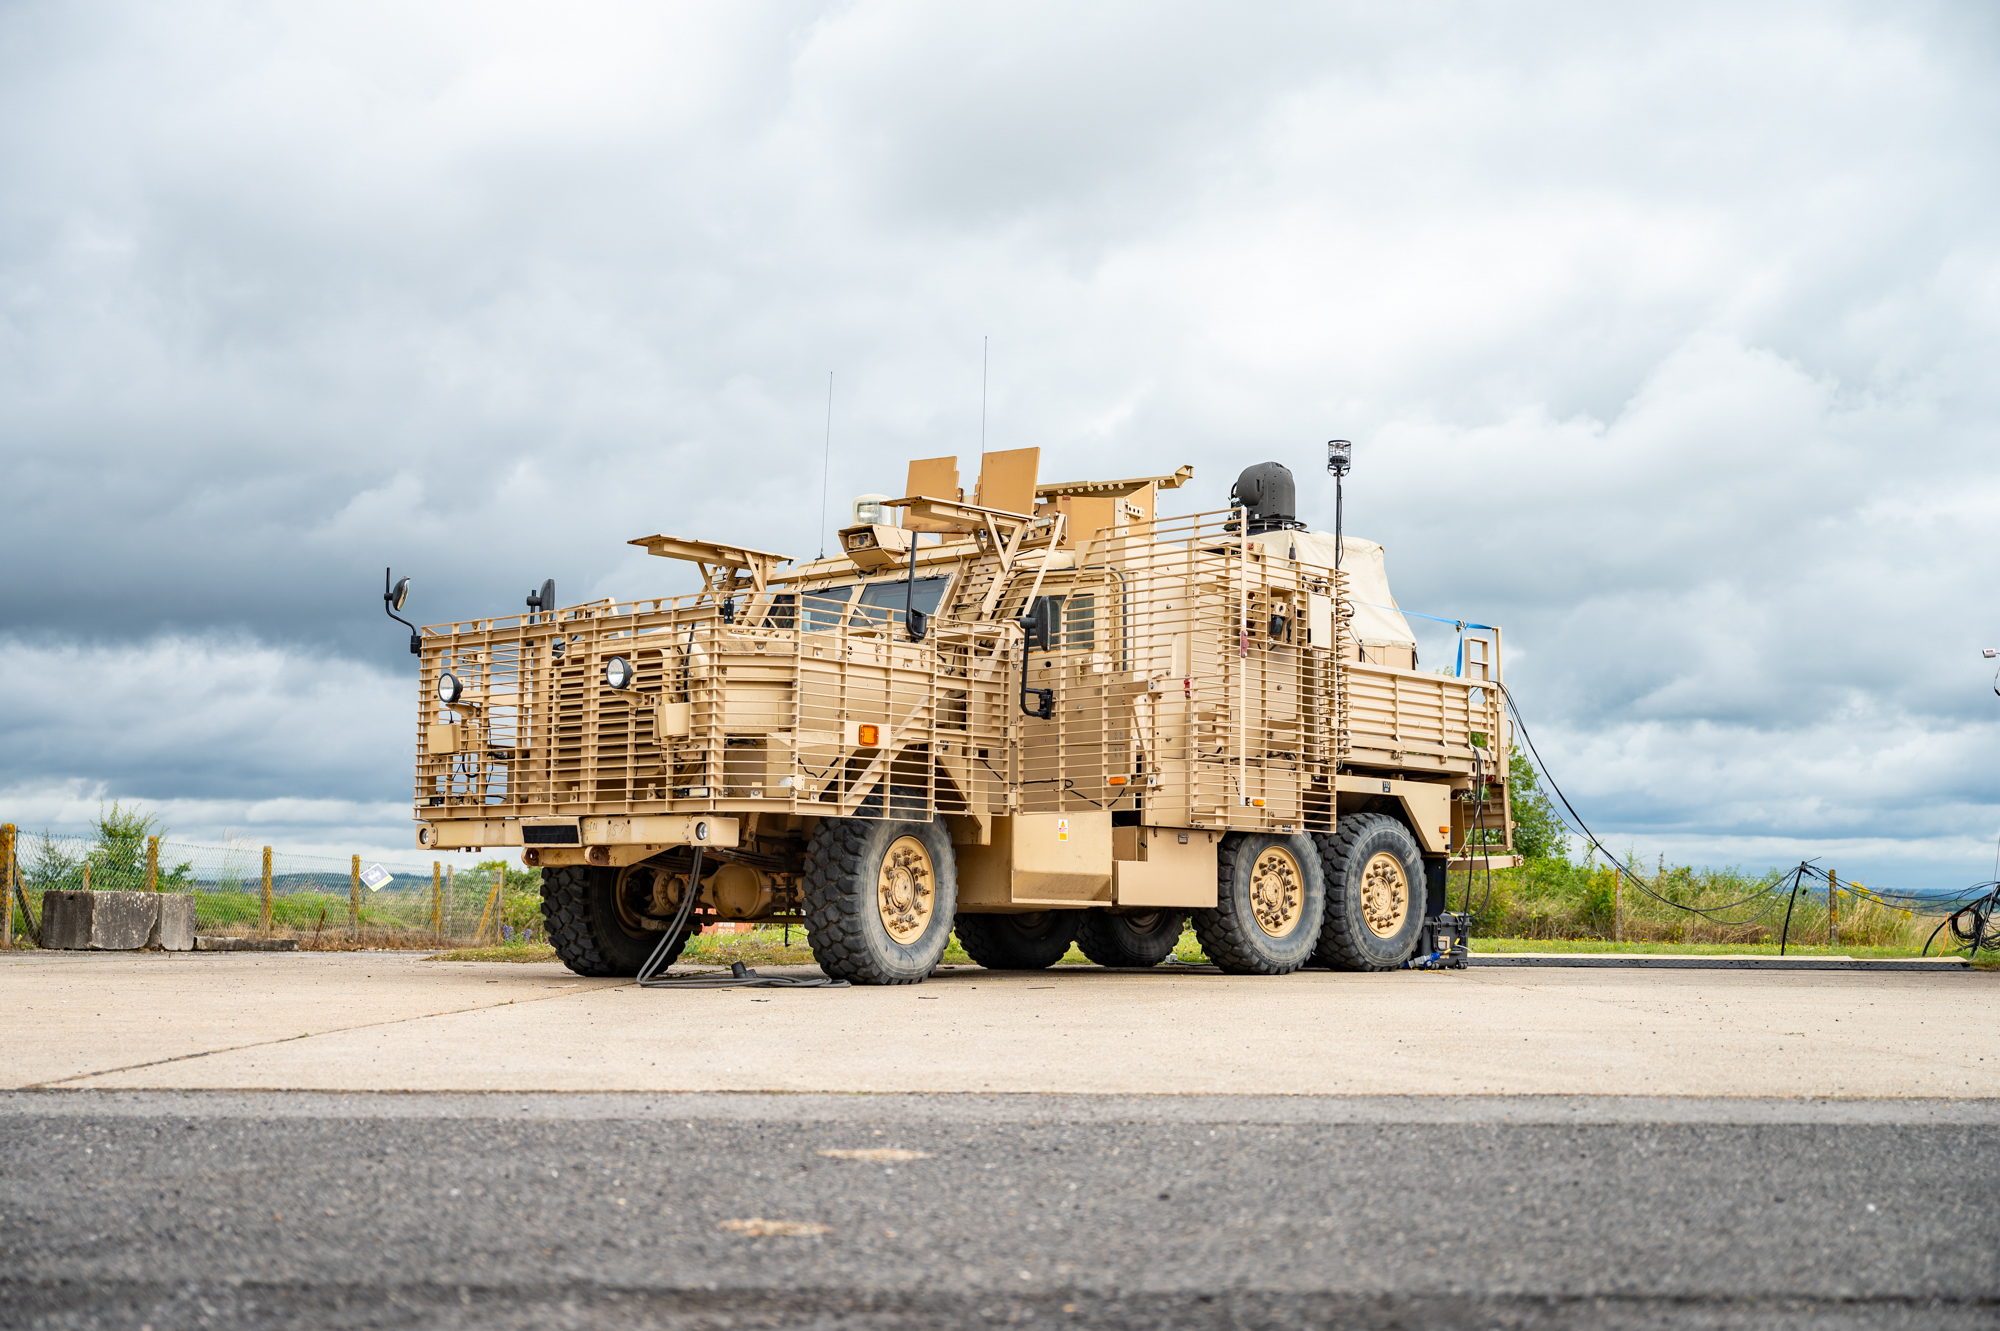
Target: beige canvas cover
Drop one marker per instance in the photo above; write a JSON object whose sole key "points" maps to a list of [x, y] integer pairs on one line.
{"points": [[1376, 622]]}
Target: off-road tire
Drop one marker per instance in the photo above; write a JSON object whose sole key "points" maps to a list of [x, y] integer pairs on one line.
{"points": [[1346, 943], [1031, 942], [581, 916], [1142, 938], [840, 900], [1230, 933]]}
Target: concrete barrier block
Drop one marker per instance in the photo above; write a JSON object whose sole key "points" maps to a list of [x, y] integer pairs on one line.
{"points": [[103, 921], [66, 920], [123, 921], [175, 928]]}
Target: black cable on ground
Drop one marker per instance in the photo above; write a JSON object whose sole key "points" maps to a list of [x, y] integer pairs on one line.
{"points": [[739, 975]]}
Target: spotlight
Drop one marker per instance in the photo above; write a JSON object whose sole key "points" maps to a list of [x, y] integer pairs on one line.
{"points": [[449, 689], [618, 673]]}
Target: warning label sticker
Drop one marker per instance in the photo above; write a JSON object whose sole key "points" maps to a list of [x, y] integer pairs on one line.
{"points": [[1062, 829]]}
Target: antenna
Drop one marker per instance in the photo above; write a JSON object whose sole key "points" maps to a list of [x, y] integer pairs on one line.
{"points": [[983, 340], [826, 469], [1339, 457]]}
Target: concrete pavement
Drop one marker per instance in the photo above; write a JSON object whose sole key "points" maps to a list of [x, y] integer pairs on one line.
{"points": [[395, 1021]]}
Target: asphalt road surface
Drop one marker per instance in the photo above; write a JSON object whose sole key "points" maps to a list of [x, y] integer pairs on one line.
{"points": [[237, 1209]]}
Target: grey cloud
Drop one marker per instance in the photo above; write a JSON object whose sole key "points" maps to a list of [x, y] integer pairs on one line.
{"points": [[1664, 336]]}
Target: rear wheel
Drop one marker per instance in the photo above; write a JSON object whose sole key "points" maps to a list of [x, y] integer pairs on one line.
{"points": [[597, 932], [1030, 942], [1141, 938], [879, 896], [1376, 893], [1266, 919]]}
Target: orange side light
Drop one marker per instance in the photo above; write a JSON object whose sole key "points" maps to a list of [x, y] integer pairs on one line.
{"points": [[871, 737], [1116, 781]]}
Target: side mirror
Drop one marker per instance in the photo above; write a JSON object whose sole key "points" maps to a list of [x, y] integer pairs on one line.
{"points": [[545, 599], [1040, 622], [392, 601]]}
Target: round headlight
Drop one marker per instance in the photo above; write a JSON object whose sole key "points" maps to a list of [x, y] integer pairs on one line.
{"points": [[449, 688], [618, 673]]}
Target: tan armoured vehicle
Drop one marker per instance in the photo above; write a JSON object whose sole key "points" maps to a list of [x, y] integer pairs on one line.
{"points": [[1042, 716]]}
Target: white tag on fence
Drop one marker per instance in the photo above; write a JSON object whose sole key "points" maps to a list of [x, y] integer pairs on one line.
{"points": [[376, 877]]}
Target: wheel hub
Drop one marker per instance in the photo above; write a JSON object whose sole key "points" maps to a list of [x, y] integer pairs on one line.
{"points": [[1385, 895], [907, 890], [1277, 892]]}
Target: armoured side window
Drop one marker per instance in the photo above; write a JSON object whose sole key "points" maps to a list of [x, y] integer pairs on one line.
{"points": [[1080, 623]]}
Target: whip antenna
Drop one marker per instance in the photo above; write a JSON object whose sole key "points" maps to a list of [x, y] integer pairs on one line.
{"points": [[826, 466]]}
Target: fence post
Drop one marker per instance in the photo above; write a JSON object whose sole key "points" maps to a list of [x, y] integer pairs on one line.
{"points": [[492, 910], [7, 884], [264, 913], [1832, 909], [152, 864], [1617, 907], [354, 899], [437, 901], [449, 887]]}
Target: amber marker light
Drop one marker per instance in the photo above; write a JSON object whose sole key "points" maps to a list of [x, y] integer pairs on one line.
{"points": [[871, 737]]}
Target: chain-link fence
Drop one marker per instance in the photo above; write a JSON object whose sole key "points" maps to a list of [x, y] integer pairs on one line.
{"points": [[244, 890]]}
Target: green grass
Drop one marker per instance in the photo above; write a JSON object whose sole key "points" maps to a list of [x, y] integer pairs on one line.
{"points": [[1581, 945], [503, 952]]}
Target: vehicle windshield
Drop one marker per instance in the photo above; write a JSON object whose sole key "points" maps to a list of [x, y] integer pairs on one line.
{"points": [[882, 602], [824, 608]]}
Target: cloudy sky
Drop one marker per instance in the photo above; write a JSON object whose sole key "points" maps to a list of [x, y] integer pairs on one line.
{"points": [[1666, 336]]}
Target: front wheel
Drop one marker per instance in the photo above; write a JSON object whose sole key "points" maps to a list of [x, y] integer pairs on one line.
{"points": [[1268, 902], [602, 923], [879, 897]]}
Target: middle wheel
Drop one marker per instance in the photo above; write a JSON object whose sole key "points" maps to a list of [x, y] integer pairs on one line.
{"points": [[1269, 900], [1136, 938], [1030, 942]]}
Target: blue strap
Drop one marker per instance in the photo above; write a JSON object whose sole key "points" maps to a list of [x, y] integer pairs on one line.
{"points": [[1458, 669], [1439, 619]]}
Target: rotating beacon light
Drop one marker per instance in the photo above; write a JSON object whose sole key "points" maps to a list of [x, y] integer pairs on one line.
{"points": [[1339, 458]]}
